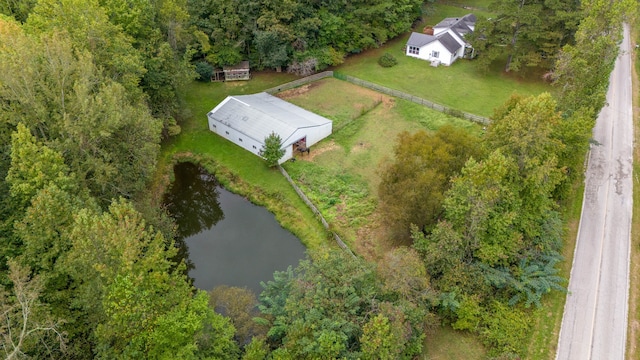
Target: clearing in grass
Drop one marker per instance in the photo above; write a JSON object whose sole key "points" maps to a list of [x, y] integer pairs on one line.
{"points": [[341, 173]]}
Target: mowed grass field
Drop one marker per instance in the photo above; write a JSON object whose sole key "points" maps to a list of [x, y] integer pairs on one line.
{"points": [[463, 85]]}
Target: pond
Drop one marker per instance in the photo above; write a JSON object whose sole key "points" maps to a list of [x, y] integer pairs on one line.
{"points": [[224, 238]]}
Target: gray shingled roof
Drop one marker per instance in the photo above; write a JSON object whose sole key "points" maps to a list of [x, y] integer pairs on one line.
{"points": [[461, 24], [420, 40], [449, 42], [257, 115]]}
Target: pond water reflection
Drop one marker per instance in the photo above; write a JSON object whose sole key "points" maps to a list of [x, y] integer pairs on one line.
{"points": [[226, 239]]}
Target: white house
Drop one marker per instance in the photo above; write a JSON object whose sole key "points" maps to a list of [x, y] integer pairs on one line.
{"points": [[247, 120], [447, 43]]}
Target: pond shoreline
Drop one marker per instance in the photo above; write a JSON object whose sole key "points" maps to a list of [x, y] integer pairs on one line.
{"points": [[231, 182]]}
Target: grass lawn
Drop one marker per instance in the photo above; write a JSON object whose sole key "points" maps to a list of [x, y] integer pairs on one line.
{"points": [[239, 170], [340, 174], [448, 344], [462, 86]]}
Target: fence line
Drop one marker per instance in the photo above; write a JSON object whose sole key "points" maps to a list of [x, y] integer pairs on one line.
{"points": [[315, 210], [299, 82], [383, 89], [415, 99]]}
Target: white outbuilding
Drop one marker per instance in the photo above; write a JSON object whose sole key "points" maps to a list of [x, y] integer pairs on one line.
{"points": [[247, 120]]}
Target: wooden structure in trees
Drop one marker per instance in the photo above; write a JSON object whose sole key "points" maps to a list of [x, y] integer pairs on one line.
{"points": [[239, 71]]}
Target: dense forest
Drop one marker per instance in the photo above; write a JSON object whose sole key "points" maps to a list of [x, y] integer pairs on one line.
{"points": [[90, 88]]}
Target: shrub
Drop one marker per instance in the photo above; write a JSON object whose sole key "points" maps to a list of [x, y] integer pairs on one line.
{"points": [[387, 60], [506, 329], [204, 71], [271, 150]]}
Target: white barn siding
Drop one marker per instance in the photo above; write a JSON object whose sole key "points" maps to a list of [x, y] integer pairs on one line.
{"points": [[247, 120], [235, 136]]}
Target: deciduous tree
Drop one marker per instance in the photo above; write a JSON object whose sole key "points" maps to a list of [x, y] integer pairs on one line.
{"points": [[26, 324], [412, 187]]}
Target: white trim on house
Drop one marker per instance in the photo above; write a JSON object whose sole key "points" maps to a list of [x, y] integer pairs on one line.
{"points": [[447, 43]]}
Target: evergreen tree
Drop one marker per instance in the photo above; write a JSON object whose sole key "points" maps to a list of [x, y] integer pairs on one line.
{"points": [[272, 150]]}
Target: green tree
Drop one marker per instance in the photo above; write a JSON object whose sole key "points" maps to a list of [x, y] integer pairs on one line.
{"points": [[109, 141], [272, 150], [87, 25], [130, 296], [34, 166], [378, 339], [26, 322], [526, 33], [582, 69], [240, 306], [257, 349], [320, 310], [224, 29], [483, 207], [19, 9], [272, 50], [526, 132], [412, 187]]}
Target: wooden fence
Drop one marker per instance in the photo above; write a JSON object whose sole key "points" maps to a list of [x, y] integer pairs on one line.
{"points": [[300, 82], [315, 210], [415, 99], [382, 89]]}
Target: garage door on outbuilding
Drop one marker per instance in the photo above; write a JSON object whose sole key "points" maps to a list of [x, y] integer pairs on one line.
{"points": [[247, 120]]}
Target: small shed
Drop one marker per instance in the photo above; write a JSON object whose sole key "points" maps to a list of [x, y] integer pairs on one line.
{"points": [[247, 120], [239, 71]]}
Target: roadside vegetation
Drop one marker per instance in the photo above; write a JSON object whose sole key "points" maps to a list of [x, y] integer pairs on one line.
{"points": [[98, 103], [633, 338]]}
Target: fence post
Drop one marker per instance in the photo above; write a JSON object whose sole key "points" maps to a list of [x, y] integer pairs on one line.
{"points": [[315, 210]]}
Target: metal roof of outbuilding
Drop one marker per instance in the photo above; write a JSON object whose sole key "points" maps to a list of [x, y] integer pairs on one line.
{"points": [[258, 115]]}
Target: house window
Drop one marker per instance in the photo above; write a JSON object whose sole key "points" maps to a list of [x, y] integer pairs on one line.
{"points": [[254, 147], [435, 54], [414, 50]]}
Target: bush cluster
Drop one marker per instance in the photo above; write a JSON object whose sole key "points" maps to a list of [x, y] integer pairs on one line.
{"points": [[387, 60]]}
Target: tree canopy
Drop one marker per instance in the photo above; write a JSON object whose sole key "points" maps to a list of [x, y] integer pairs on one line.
{"points": [[525, 34]]}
